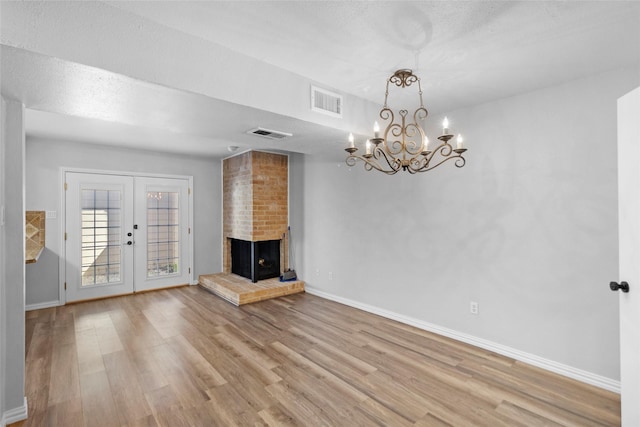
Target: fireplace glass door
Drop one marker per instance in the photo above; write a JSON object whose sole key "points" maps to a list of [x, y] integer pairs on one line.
{"points": [[255, 260]]}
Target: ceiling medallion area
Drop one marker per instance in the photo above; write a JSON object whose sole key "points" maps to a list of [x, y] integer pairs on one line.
{"points": [[404, 144]]}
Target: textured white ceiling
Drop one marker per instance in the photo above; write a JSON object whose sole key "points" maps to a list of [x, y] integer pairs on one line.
{"points": [[466, 52]]}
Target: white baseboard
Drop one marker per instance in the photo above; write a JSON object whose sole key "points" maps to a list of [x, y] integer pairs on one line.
{"points": [[16, 414], [532, 359], [42, 305]]}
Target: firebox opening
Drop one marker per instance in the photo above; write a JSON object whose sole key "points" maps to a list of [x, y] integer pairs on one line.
{"points": [[255, 260]]}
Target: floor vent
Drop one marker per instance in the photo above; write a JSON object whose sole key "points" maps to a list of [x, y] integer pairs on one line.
{"points": [[267, 133], [323, 101]]}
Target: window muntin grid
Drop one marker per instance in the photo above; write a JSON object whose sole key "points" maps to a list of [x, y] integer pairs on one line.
{"points": [[101, 232], [163, 233]]}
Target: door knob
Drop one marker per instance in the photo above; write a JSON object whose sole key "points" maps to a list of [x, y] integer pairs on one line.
{"points": [[129, 242], [129, 234], [623, 286]]}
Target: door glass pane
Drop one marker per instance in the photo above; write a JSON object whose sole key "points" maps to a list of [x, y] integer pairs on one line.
{"points": [[101, 236], [163, 238]]}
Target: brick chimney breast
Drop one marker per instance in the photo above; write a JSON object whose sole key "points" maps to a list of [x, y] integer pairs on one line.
{"points": [[255, 199]]}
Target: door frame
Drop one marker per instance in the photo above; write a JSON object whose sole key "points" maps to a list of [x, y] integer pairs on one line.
{"points": [[62, 260]]}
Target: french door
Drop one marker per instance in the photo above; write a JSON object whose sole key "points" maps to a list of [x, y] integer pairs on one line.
{"points": [[161, 232], [124, 234]]}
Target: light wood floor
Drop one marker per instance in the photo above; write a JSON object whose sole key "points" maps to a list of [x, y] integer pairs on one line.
{"points": [[184, 357]]}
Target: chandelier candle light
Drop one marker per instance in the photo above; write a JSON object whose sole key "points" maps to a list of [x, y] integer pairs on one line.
{"points": [[404, 145]]}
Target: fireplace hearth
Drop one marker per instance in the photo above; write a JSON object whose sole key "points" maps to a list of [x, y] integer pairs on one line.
{"points": [[255, 260]]}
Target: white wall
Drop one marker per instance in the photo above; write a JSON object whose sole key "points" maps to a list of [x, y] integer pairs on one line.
{"points": [[46, 157], [528, 228], [3, 279], [12, 405]]}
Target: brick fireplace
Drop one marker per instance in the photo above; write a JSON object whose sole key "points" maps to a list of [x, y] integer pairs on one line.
{"points": [[255, 206]]}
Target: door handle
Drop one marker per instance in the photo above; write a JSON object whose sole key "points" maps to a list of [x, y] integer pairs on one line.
{"points": [[623, 286], [129, 242]]}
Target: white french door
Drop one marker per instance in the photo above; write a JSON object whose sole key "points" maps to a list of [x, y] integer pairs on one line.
{"points": [[161, 232], [124, 234], [99, 215]]}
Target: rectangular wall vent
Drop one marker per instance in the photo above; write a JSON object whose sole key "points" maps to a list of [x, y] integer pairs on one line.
{"points": [[267, 133], [323, 101]]}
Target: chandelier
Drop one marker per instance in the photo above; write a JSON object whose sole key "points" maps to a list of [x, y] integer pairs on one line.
{"points": [[404, 145]]}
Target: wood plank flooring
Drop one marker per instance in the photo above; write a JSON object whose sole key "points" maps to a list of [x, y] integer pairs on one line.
{"points": [[183, 357]]}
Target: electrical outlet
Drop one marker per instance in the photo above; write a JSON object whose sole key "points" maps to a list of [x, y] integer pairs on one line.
{"points": [[331, 275], [317, 272], [474, 307]]}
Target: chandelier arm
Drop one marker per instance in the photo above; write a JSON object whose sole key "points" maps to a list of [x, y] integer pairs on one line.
{"points": [[351, 160], [459, 162], [394, 164], [369, 164], [445, 149], [374, 164]]}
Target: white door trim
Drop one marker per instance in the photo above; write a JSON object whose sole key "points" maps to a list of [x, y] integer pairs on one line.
{"points": [[63, 217]]}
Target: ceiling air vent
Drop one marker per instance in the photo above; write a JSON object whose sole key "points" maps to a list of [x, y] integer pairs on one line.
{"points": [[267, 133], [323, 101]]}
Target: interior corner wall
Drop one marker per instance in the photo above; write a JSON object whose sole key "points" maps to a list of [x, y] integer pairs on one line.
{"points": [[12, 321], [44, 158], [528, 228], [297, 203]]}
